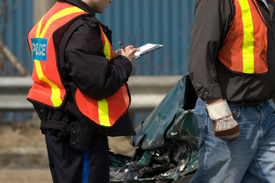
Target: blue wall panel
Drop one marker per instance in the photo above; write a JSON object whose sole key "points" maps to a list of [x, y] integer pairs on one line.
{"points": [[166, 22], [136, 22], [15, 22]]}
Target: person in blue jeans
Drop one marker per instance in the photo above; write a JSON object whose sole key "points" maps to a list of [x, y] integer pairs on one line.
{"points": [[232, 68]]}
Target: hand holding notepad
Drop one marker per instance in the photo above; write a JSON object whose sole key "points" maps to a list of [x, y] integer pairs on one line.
{"points": [[147, 48]]}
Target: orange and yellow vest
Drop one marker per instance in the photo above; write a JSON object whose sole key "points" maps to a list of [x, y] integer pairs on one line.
{"points": [[48, 88], [245, 49]]}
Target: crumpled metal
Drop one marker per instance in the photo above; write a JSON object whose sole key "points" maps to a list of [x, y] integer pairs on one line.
{"points": [[166, 140]]}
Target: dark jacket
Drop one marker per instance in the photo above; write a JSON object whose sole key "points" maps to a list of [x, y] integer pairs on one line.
{"points": [[210, 78], [83, 65]]}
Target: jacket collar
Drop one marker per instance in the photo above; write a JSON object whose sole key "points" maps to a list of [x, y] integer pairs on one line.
{"points": [[81, 5]]}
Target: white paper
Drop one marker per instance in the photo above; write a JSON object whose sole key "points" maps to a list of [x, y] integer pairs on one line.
{"points": [[147, 48]]}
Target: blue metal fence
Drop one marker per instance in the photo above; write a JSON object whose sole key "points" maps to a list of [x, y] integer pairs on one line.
{"points": [[136, 22], [16, 20]]}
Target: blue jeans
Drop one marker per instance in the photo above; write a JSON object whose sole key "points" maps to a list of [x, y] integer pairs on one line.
{"points": [[248, 159]]}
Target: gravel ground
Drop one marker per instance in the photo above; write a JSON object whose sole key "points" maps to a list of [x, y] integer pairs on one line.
{"points": [[23, 154]]}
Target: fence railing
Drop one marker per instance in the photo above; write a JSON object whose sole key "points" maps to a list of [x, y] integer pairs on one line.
{"points": [[146, 92]]}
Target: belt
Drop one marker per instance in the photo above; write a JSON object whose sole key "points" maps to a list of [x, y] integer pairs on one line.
{"points": [[249, 104]]}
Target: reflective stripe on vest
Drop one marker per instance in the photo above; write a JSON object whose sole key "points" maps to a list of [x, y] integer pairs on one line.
{"points": [[107, 47], [245, 49], [104, 112], [47, 86]]}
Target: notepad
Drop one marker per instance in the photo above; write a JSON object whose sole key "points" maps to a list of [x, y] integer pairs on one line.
{"points": [[149, 47]]}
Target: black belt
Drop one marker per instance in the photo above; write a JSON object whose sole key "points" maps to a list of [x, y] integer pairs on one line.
{"points": [[249, 104]]}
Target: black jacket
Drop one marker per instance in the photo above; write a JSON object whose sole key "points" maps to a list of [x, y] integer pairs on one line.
{"points": [[210, 78], [83, 65]]}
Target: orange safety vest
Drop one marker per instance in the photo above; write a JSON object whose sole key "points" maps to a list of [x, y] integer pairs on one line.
{"points": [[47, 86], [245, 49]]}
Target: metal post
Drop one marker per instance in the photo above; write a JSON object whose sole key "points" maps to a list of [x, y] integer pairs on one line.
{"points": [[41, 7]]}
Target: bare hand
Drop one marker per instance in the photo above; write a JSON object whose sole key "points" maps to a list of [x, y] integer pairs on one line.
{"points": [[128, 52]]}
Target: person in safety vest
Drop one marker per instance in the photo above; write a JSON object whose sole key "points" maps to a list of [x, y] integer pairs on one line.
{"points": [[79, 89], [232, 68]]}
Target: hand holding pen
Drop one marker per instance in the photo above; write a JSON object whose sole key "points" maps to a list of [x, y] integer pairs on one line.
{"points": [[128, 51]]}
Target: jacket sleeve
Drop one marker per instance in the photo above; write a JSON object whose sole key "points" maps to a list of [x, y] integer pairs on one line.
{"points": [[89, 69], [211, 21]]}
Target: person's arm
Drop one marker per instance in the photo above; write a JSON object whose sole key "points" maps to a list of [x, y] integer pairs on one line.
{"points": [[209, 28], [208, 33], [92, 73]]}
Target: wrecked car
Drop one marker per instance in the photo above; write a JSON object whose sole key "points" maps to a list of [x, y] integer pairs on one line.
{"points": [[166, 142]]}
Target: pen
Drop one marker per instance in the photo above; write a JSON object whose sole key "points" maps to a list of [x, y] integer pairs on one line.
{"points": [[122, 46]]}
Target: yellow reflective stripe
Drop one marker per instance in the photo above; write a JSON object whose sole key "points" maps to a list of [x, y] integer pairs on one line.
{"points": [[248, 39], [58, 15], [55, 97], [56, 93], [103, 112], [107, 50], [39, 27]]}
